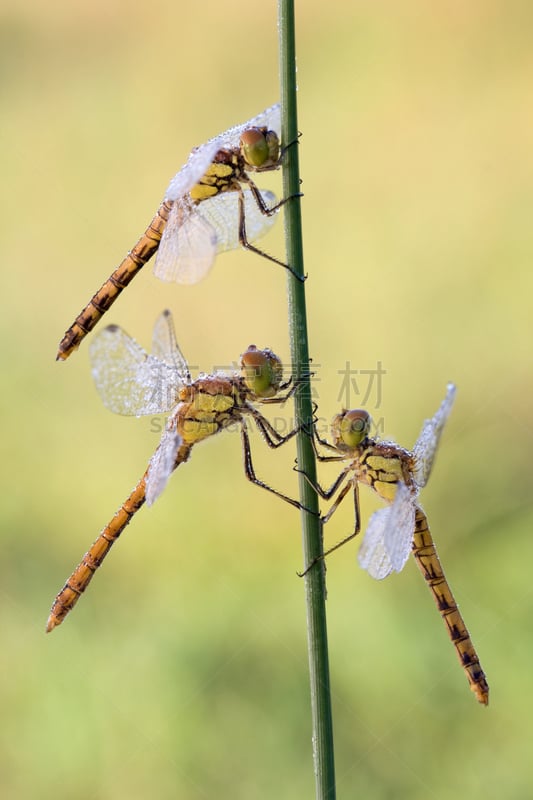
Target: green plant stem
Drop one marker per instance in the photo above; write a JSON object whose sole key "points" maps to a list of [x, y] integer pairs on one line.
{"points": [[311, 526]]}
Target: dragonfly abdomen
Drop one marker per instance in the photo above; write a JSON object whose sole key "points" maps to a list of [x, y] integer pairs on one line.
{"points": [[121, 277], [93, 558], [427, 560]]}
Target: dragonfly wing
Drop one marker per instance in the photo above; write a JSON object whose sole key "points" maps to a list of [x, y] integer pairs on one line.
{"points": [[400, 528], [128, 380], [222, 214], [165, 346], [201, 157], [389, 536], [191, 172], [188, 245], [372, 555], [426, 445], [162, 465], [269, 118], [194, 234]]}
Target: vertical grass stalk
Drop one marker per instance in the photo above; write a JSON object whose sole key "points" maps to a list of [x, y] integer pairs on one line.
{"points": [[311, 526]]}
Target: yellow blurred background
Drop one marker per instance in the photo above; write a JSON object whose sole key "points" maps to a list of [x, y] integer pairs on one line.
{"points": [[183, 671]]}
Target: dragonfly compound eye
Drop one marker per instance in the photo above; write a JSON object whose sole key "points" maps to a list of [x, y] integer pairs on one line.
{"points": [[272, 141], [351, 428], [259, 147], [262, 371]]}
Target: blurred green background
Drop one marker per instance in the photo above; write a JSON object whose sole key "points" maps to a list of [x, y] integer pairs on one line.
{"points": [[183, 672]]}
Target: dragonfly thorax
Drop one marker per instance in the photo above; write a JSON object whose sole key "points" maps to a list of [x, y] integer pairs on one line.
{"points": [[207, 406], [258, 150], [381, 465], [222, 175]]}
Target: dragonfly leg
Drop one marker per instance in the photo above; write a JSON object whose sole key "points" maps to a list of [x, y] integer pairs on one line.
{"points": [[327, 494], [268, 211], [273, 439], [281, 399], [318, 440], [290, 387], [242, 228], [326, 459], [250, 472], [328, 516], [287, 386], [291, 144], [310, 430], [271, 436]]}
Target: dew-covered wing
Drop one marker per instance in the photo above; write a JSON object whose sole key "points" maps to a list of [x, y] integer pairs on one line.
{"points": [[400, 528], [162, 465], [128, 379], [165, 346], [188, 246], [191, 172], [202, 156], [194, 234], [372, 555], [222, 213], [426, 445], [269, 118], [389, 536]]}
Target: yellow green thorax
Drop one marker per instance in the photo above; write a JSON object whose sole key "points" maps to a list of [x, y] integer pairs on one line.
{"points": [[383, 472], [258, 150], [205, 408], [378, 464], [219, 177]]}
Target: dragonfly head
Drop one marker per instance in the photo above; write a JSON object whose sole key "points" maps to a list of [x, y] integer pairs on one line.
{"points": [[262, 371], [350, 428], [260, 147]]}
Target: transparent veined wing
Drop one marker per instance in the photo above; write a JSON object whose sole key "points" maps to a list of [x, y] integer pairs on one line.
{"points": [[202, 156], [194, 234], [426, 445], [128, 379], [222, 213], [389, 535], [372, 555], [400, 528], [191, 172], [162, 465], [188, 246], [165, 346], [269, 118]]}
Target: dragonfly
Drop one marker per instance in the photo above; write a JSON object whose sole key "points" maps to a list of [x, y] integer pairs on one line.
{"points": [[401, 527], [210, 206], [132, 382]]}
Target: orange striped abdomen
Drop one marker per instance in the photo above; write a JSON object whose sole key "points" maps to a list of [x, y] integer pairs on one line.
{"points": [[104, 298], [93, 558], [428, 562]]}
